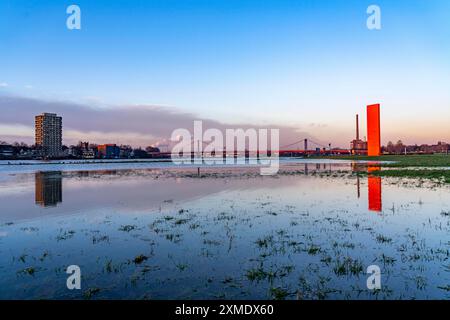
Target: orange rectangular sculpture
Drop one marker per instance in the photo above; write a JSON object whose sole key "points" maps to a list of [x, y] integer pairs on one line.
{"points": [[373, 130]]}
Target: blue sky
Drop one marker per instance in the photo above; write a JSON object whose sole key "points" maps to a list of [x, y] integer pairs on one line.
{"points": [[307, 64]]}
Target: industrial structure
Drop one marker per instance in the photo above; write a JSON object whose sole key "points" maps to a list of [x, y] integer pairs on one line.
{"points": [[372, 146], [48, 135], [358, 146]]}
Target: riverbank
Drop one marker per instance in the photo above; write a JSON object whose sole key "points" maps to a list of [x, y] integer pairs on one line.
{"points": [[396, 161], [434, 167]]}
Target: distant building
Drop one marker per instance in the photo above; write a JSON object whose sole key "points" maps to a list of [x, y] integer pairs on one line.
{"points": [[6, 151], [151, 149], [140, 154], [88, 154], [85, 150], [440, 147], [125, 151], [83, 145], [400, 148], [108, 151], [48, 135], [358, 146]]}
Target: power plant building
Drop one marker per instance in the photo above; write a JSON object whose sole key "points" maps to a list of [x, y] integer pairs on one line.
{"points": [[358, 146]]}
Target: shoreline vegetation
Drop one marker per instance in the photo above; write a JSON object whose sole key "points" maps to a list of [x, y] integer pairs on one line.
{"points": [[434, 167]]}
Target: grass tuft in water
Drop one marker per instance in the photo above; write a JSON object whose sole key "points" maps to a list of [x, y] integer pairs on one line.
{"points": [[139, 259], [127, 228]]}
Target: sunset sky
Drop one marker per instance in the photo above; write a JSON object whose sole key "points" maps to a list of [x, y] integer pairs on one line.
{"points": [[139, 69]]}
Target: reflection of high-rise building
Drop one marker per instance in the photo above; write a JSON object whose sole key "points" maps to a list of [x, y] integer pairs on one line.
{"points": [[48, 188], [373, 130], [48, 134]]}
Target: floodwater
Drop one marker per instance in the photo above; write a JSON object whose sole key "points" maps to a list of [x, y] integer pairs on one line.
{"points": [[151, 231]]}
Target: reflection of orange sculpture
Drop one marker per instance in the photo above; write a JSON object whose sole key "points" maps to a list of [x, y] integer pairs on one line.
{"points": [[375, 201], [373, 130]]}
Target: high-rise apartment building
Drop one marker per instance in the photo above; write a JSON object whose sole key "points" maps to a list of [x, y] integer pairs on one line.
{"points": [[49, 134]]}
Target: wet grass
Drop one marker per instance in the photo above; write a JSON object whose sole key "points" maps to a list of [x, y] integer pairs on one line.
{"points": [[433, 174], [264, 242], [28, 271], [173, 237], [446, 288], [181, 266], [44, 256], [313, 250], [98, 239], [348, 266], [257, 274], [400, 166], [241, 250], [279, 293], [211, 242], [181, 221], [127, 228], [139, 259], [91, 292], [434, 160], [65, 235], [387, 260], [383, 239]]}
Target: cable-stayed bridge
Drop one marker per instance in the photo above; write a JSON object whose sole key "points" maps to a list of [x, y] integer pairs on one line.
{"points": [[299, 148]]}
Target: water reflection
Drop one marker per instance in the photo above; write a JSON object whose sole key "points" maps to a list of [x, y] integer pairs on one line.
{"points": [[48, 185], [223, 235], [48, 188], [375, 197], [324, 168], [374, 184]]}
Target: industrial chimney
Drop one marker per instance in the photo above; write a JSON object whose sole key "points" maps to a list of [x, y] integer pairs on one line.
{"points": [[357, 127]]}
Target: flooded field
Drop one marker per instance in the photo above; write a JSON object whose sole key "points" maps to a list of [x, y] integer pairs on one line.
{"points": [[155, 232]]}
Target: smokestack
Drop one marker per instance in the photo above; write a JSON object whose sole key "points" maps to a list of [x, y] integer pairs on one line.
{"points": [[357, 127]]}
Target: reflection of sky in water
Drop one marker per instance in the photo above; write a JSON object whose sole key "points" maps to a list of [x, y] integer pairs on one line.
{"points": [[292, 236], [30, 166]]}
